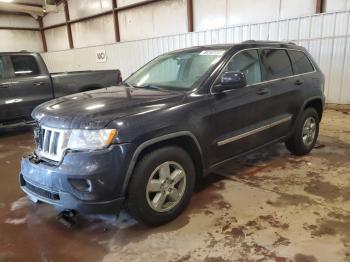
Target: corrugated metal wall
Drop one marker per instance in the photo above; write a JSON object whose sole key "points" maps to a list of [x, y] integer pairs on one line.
{"points": [[326, 36]]}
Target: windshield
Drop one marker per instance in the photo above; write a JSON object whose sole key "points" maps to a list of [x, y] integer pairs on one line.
{"points": [[176, 70]]}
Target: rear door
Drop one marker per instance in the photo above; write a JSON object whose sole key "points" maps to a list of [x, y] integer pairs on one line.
{"points": [[305, 75], [31, 84], [277, 71], [241, 115]]}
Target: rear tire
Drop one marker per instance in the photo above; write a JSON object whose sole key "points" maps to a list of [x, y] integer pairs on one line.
{"points": [[161, 186], [306, 133]]}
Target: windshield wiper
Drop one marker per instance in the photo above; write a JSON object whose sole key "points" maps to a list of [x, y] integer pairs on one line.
{"points": [[150, 86]]}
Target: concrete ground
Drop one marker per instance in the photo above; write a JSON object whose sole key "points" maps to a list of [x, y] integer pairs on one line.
{"points": [[270, 206]]}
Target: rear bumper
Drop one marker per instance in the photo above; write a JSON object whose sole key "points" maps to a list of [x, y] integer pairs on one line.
{"points": [[103, 171]]}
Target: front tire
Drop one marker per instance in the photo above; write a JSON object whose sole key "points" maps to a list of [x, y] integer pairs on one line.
{"points": [[306, 133], [161, 186]]}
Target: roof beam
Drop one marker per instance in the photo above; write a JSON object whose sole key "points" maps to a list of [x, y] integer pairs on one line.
{"points": [[116, 21], [43, 38], [69, 29], [190, 15], [34, 11], [320, 4]]}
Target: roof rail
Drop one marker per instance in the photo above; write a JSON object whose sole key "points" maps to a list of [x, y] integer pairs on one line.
{"points": [[266, 42]]}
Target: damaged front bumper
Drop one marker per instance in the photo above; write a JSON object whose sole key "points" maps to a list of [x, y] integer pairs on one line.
{"points": [[89, 182]]}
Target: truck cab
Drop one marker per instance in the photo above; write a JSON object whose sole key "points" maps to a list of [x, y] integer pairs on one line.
{"points": [[24, 83]]}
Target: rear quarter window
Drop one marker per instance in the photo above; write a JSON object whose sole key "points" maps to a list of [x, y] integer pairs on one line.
{"points": [[24, 65], [275, 64], [301, 63]]}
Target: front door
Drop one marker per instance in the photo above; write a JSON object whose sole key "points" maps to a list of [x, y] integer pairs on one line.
{"points": [[241, 116]]}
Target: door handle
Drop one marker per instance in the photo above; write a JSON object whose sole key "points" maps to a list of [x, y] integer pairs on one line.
{"points": [[4, 85], [39, 83], [299, 82], [263, 91]]}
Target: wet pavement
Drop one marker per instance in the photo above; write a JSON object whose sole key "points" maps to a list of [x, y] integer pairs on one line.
{"points": [[269, 206]]}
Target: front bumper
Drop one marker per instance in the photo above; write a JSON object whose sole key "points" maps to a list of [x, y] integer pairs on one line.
{"points": [[103, 171]]}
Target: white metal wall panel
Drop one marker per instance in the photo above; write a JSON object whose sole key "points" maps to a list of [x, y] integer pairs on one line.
{"points": [[56, 17], [295, 8], [326, 36], [57, 38], [84, 8], [17, 40], [90, 32], [153, 20], [337, 5], [18, 21], [251, 11], [209, 14]]}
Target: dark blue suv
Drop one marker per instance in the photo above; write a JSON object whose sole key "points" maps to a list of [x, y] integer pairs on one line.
{"points": [[143, 145]]}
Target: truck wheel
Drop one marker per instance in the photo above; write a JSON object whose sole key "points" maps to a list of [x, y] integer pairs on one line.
{"points": [[305, 134], [161, 186]]}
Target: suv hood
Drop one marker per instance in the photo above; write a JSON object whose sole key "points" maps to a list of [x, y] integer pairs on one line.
{"points": [[95, 109]]}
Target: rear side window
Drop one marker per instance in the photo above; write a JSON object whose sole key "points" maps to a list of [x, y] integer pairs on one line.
{"points": [[301, 64], [2, 68], [248, 63], [24, 65], [275, 64]]}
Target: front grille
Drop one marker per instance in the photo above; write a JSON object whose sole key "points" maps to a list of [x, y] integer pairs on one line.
{"points": [[50, 142], [41, 192]]}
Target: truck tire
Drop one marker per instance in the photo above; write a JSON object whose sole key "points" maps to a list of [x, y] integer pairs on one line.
{"points": [[305, 134], [161, 186]]}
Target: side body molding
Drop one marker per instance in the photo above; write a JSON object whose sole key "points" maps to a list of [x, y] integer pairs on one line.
{"points": [[153, 141]]}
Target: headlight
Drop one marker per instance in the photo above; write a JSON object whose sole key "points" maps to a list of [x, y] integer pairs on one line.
{"points": [[91, 139]]}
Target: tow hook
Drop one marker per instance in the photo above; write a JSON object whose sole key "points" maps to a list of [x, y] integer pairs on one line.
{"points": [[67, 217]]}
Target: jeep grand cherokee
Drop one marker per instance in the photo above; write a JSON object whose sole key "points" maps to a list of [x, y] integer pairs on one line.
{"points": [[143, 145]]}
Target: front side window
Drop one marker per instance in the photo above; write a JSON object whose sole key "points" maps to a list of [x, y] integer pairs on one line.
{"points": [[2, 68], [178, 71], [246, 62], [24, 65], [275, 64], [301, 64]]}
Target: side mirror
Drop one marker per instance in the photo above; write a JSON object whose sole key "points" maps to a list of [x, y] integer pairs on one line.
{"points": [[229, 81]]}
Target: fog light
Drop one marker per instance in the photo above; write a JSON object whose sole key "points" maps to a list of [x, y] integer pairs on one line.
{"points": [[83, 185]]}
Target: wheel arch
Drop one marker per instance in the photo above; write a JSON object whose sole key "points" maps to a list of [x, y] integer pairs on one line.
{"points": [[316, 103], [184, 139]]}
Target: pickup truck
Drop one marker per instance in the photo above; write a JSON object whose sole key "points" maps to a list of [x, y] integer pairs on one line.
{"points": [[25, 83]]}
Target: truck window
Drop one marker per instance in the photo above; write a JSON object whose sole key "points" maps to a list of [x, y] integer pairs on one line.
{"points": [[2, 68], [24, 65], [248, 63], [275, 64], [301, 64]]}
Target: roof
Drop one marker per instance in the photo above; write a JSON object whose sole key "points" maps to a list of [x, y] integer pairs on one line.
{"points": [[244, 44], [16, 53]]}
